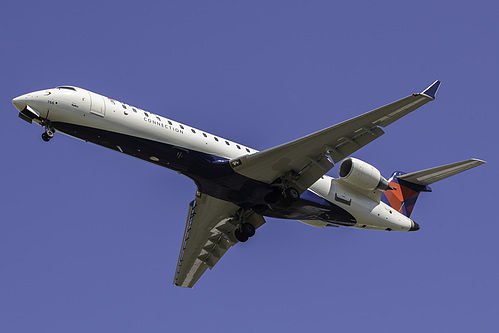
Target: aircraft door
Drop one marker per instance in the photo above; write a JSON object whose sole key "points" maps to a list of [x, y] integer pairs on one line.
{"points": [[98, 105]]}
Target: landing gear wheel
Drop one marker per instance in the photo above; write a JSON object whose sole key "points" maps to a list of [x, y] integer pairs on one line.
{"points": [[240, 235], [244, 232], [46, 137], [291, 194], [248, 229]]}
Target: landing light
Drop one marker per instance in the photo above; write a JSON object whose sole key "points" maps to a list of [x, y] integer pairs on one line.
{"points": [[235, 163]]}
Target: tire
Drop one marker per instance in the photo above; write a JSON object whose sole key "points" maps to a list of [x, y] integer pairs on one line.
{"points": [[240, 235], [292, 194], [248, 229]]}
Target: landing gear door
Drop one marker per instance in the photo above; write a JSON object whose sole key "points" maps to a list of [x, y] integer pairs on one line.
{"points": [[98, 105]]}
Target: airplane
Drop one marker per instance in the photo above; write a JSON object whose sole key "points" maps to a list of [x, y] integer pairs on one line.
{"points": [[237, 186]]}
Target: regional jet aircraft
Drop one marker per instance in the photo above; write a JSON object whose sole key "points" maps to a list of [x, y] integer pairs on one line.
{"points": [[238, 185]]}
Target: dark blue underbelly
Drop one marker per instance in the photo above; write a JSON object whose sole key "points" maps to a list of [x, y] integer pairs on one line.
{"points": [[213, 176]]}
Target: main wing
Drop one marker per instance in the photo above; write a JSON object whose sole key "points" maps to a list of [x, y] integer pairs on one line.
{"points": [[209, 233], [304, 161]]}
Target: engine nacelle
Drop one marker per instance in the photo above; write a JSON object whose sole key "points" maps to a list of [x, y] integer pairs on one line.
{"points": [[362, 175]]}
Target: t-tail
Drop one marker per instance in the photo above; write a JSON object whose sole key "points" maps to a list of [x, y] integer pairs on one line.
{"points": [[406, 187]]}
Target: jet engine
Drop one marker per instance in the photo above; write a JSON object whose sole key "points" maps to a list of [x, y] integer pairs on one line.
{"points": [[362, 175]]}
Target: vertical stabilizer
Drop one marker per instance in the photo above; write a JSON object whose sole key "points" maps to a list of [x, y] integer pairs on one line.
{"points": [[403, 195]]}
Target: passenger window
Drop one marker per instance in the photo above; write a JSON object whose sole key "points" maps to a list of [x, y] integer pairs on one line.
{"points": [[169, 123], [193, 131], [181, 127], [248, 150], [227, 142], [146, 114], [204, 134], [159, 119], [238, 147], [216, 139], [134, 110], [124, 106]]}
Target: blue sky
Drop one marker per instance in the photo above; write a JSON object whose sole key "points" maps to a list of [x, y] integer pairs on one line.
{"points": [[89, 238]]}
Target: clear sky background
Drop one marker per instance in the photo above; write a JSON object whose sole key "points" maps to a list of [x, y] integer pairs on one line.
{"points": [[89, 238]]}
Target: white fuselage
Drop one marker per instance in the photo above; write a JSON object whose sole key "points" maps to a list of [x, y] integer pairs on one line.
{"points": [[85, 109]]}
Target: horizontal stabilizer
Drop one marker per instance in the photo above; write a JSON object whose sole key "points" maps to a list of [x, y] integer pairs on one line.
{"points": [[430, 176]]}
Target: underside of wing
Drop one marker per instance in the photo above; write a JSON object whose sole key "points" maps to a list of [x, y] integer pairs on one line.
{"points": [[209, 233], [303, 161]]}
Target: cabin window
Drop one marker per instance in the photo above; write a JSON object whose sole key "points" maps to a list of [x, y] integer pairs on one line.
{"points": [[181, 127], [238, 147], [227, 143], [193, 131], [146, 114], [204, 134], [112, 102], [134, 110], [216, 139], [248, 150], [159, 119], [124, 106], [169, 123]]}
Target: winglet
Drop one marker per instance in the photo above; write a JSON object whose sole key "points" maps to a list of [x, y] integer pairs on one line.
{"points": [[431, 91]]}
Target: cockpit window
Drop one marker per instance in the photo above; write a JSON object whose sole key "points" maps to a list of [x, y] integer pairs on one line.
{"points": [[68, 88]]}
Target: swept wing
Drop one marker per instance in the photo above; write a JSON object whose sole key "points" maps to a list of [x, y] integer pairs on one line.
{"points": [[304, 160]]}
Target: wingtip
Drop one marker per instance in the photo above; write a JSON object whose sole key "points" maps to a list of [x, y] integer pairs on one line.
{"points": [[431, 91], [478, 161]]}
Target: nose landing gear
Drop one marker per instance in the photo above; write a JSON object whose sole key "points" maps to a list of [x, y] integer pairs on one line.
{"points": [[49, 132], [46, 136]]}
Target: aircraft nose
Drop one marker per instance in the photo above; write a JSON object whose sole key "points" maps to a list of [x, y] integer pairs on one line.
{"points": [[20, 102]]}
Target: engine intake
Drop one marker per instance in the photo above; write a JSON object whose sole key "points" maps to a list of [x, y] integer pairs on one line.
{"points": [[362, 175]]}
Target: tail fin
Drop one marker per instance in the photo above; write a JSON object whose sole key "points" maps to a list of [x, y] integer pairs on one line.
{"points": [[406, 187]]}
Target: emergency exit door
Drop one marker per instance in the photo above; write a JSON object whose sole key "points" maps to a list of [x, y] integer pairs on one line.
{"points": [[97, 105]]}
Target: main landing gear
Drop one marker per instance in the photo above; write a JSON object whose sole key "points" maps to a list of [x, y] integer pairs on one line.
{"points": [[291, 194], [244, 232], [285, 197]]}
